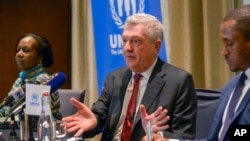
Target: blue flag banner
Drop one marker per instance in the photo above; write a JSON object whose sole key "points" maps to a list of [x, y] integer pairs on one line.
{"points": [[108, 22]]}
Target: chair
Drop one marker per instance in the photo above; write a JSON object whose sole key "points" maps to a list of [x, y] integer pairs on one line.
{"points": [[66, 107], [207, 106]]}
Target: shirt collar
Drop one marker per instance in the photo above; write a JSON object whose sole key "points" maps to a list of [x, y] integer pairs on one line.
{"points": [[147, 73], [247, 72]]}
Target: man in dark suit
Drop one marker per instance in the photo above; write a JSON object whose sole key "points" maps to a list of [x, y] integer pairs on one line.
{"points": [[163, 89], [235, 34]]}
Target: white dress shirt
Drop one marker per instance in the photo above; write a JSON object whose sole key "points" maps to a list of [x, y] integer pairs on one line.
{"points": [[244, 91], [142, 86]]}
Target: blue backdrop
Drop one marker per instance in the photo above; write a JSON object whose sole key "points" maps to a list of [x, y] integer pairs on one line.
{"points": [[108, 21]]}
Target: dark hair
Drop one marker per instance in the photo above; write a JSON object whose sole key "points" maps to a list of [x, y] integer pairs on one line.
{"points": [[43, 48], [242, 17]]}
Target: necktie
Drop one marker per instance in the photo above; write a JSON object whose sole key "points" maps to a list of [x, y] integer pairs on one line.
{"points": [[128, 123], [231, 107]]}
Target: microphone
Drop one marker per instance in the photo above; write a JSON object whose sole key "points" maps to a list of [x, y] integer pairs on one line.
{"points": [[55, 81], [18, 109], [12, 95], [18, 92]]}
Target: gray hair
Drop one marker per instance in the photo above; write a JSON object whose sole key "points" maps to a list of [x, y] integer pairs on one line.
{"points": [[153, 25]]}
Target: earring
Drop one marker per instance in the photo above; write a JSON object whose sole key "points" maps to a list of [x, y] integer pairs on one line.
{"points": [[39, 63]]}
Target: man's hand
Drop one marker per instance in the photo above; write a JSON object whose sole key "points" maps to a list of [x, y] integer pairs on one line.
{"points": [[83, 120], [155, 137], [158, 119]]}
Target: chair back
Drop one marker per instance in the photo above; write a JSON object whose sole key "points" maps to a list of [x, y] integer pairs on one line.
{"points": [[66, 107], [207, 106]]}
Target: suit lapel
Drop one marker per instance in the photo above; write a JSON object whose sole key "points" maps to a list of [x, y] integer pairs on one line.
{"points": [[225, 96], [155, 83], [224, 99], [217, 121], [125, 80], [243, 104], [117, 106]]}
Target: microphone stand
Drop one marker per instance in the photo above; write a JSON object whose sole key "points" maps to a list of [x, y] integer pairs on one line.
{"points": [[18, 110], [21, 115], [31, 138], [12, 136], [28, 124]]}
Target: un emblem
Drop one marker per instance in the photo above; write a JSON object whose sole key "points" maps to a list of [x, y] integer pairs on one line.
{"points": [[120, 9], [34, 97]]}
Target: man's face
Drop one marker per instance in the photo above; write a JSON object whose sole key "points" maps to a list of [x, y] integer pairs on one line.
{"points": [[236, 49], [26, 53], [138, 50]]}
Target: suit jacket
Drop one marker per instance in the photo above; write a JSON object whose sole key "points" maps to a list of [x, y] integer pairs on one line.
{"points": [[241, 117], [168, 86]]}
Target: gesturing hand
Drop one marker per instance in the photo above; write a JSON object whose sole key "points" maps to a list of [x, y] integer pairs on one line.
{"points": [[155, 137], [158, 119], [83, 120]]}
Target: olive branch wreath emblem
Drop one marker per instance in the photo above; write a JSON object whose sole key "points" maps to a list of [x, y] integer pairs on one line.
{"points": [[116, 18]]}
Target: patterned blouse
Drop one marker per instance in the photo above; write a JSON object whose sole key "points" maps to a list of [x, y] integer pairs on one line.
{"points": [[31, 75]]}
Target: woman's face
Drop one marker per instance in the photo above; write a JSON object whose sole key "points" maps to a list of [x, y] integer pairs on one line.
{"points": [[26, 53]]}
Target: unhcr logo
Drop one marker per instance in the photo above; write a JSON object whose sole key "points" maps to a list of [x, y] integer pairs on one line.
{"points": [[120, 9], [34, 99]]}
